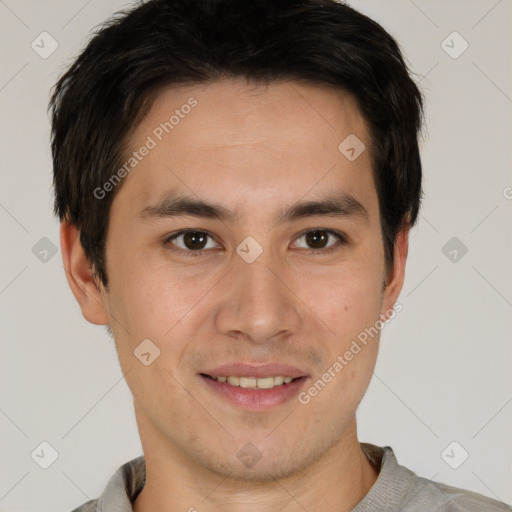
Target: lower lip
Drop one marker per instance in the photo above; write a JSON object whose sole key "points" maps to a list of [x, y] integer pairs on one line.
{"points": [[255, 399]]}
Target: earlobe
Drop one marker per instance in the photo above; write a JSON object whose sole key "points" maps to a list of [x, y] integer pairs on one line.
{"points": [[395, 278], [80, 276]]}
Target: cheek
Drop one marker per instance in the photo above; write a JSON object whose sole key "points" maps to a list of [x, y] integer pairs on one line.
{"points": [[351, 310], [158, 301], [347, 300]]}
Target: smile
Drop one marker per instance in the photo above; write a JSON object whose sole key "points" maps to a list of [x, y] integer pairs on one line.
{"points": [[252, 382], [251, 393]]}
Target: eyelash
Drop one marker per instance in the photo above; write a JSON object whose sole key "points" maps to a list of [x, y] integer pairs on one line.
{"points": [[200, 252]]}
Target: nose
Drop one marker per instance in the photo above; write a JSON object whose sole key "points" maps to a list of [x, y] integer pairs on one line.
{"points": [[259, 304]]}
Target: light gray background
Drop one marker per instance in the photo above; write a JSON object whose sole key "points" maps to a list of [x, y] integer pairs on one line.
{"points": [[444, 370]]}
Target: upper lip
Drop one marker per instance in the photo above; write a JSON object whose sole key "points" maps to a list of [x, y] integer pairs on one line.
{"points": [[257, 371]]}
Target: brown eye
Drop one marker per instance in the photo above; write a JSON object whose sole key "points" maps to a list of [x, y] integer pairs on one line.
{"points": [[194, 240], [318, 239], [190, 241]]}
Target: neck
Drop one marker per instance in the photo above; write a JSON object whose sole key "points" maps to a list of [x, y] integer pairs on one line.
{"points": [[338, 480]]}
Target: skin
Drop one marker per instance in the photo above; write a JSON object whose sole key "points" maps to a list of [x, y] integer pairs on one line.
{"points": [[257, 149]]}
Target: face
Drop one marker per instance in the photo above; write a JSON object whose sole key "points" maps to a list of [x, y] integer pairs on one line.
{"points": [[250, 279]]}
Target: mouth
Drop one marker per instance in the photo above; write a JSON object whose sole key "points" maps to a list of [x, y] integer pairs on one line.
{"points": [[253, 382], [254, 388]]}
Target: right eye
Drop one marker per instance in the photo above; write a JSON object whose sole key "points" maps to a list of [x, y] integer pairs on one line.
{"points": [[191, 242]]}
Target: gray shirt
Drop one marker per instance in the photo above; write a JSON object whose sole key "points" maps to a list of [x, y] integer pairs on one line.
{"points": [[396, 489]]}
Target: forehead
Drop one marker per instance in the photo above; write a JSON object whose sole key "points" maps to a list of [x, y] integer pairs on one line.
{"points": [[251, 113], [238, 140]]}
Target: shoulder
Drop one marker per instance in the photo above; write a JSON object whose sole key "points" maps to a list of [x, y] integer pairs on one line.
{"points": [[90, 506], [445, 498], [399, 488], [121, 490]]}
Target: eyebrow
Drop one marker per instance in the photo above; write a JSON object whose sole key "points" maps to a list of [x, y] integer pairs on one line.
{"points": [[341, 204]]}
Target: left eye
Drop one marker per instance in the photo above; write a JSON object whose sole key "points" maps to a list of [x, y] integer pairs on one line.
{"points": [[316, 239]]}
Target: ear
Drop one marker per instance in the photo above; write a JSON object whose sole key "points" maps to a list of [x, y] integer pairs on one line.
{"points": [[395, 276], [80, 276]]}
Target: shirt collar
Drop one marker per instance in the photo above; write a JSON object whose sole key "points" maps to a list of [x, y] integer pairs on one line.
{"points": [[124, 487]]}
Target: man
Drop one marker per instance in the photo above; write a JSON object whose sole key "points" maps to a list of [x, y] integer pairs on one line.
{"points": [[236, 182]]}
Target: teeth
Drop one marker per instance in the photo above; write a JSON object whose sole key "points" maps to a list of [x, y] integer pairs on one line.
{"points": [[268, 382], [234, 381], [251, 382], [247, 382]]}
